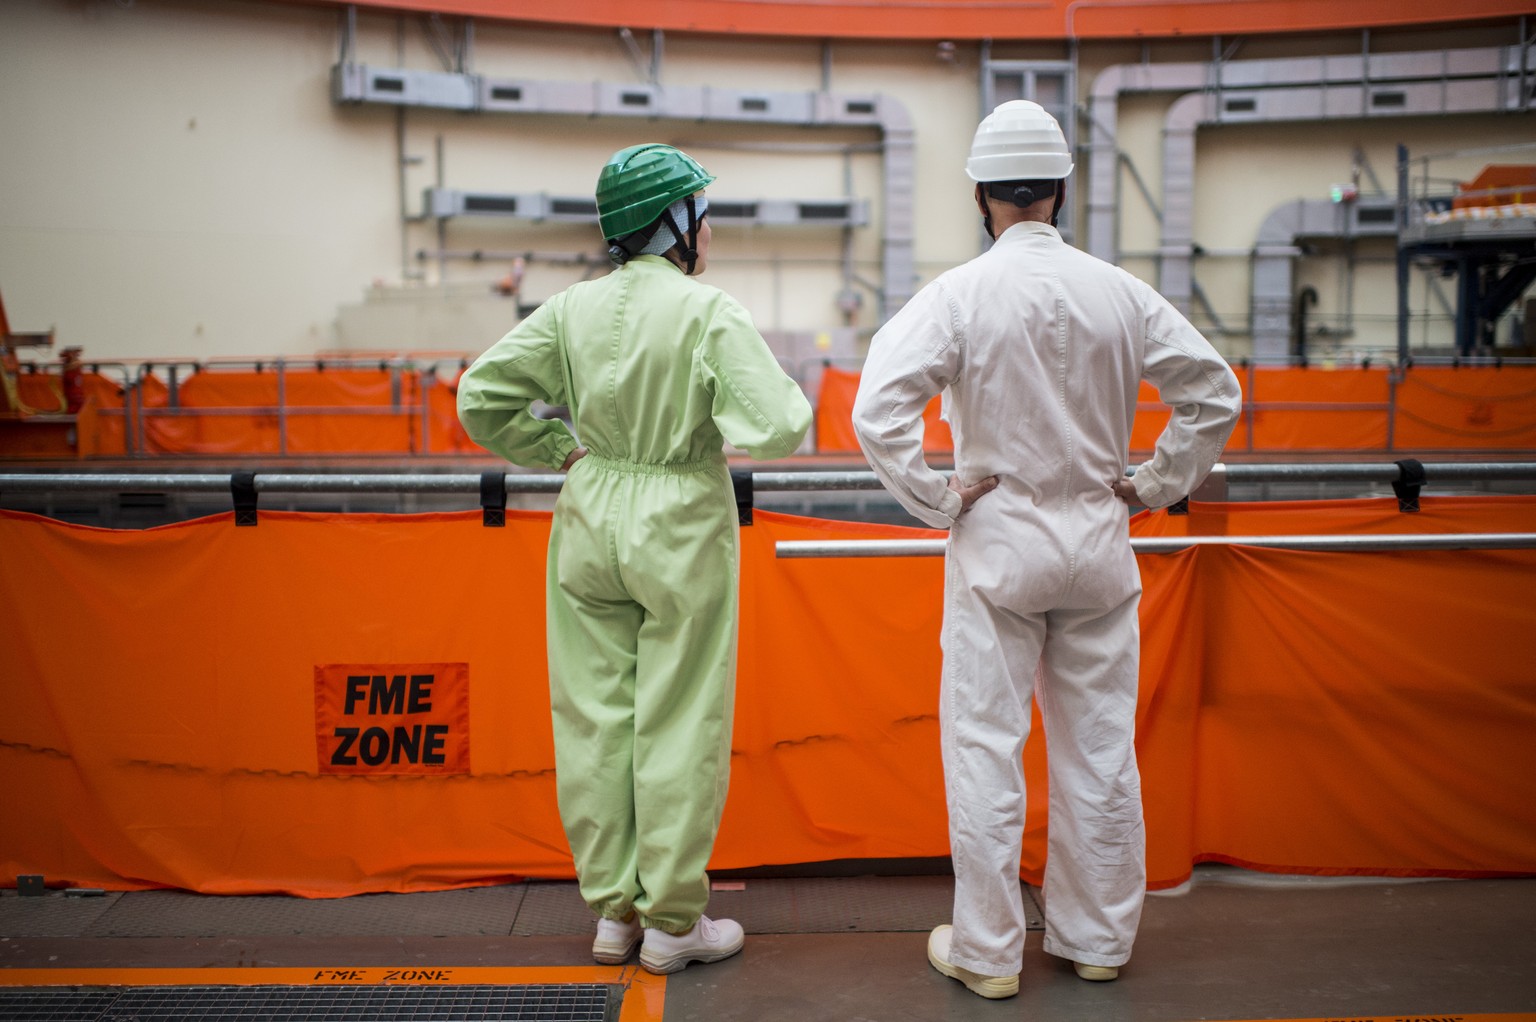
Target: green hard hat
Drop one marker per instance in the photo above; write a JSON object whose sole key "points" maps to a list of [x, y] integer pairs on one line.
{"points": [[638, 184]]}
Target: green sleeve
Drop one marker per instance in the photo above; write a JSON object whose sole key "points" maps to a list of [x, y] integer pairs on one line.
{"points": [[496, 392], [756, 406]]}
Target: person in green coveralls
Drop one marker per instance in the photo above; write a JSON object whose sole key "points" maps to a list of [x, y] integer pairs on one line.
{"points": [[659, 372]]}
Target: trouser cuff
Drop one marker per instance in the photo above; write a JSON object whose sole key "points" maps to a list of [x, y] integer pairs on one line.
{"points": [[1060, 950], [675, 929]]}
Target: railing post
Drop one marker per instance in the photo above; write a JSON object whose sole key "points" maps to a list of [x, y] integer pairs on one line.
{"points": [[1402, 254], [282, 407], [1250, 413], [425, 378], [138, 417]]}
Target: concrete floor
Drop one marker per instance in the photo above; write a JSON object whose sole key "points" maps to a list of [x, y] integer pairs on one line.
{"points": [[1229, 945]]}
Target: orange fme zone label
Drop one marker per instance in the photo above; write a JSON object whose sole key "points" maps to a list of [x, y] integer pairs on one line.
{"points": [[392, 718], [375, 976]]}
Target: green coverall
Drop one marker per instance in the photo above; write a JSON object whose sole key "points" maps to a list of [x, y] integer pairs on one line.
{"points": [[658, 370]]}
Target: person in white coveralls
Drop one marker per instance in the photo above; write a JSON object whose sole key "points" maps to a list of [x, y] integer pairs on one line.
{"points": [[1039, 350]]}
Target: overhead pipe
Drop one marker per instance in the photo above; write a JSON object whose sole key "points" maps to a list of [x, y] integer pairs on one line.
{"points": [[1349, 101], [1379, 70], [1274, 254]]}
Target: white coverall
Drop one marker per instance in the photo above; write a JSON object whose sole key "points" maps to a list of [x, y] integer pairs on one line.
{"points": [[1040, 349], [659, 371]]}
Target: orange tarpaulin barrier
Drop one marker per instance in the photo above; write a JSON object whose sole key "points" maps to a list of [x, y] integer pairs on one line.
{"points": [[1313, 409], [338, 410], [349, 410], [834, 416], [1462, 409], [1313, 712]]}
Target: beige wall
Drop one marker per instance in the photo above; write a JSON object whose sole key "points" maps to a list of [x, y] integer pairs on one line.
{"points": [[177, 181]]}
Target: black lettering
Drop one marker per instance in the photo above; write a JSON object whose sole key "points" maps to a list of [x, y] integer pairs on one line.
{"points": [[338, 975], [432, 747], [417, 975], [348, 735], [355, 685], [387, 696], [421, 694], [408, 744], [374, 747]]}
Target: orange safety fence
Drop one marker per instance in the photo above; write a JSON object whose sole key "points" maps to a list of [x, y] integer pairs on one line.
{"points": [[1311, 409], [347, 410], [333, 704], [343, 410], [324, 411]]}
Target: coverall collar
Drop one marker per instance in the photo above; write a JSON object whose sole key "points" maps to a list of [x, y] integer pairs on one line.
{"points": [[659, 260], [1024, 228]]}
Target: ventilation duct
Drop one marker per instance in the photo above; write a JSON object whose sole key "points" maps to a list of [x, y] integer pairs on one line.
{"points": [[360, 83], [1375, 76], [442, 203], [1275, 252], [1315, 103]]}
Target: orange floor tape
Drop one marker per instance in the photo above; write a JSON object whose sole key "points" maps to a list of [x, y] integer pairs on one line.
{"points": [[644, 993]]}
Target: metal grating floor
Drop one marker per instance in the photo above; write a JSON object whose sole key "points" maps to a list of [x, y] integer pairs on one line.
{"points": [[564, 1002]]}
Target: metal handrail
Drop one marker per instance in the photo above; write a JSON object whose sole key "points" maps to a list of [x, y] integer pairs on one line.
{"points": [[819, 548], [762, 482]]}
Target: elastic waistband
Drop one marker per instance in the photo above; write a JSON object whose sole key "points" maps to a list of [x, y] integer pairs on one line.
{"points": [[655, 468]]}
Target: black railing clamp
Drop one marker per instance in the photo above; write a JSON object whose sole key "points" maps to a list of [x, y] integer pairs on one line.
{"points": [[242, 488], [741, 482], [1411, 479], [493, 499]]}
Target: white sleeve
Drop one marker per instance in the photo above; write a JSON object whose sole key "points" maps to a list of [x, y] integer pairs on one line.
{"points": [[1196, 382], [911, 360]]}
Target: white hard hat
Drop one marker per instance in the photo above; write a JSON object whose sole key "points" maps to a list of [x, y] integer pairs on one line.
{"points": [[1019, 141]]}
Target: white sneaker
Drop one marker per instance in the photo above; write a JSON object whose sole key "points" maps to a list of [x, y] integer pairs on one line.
{"points": [[616, 940], [709, 941], [991, 987]]}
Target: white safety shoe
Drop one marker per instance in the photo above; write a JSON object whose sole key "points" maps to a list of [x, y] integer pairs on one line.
{"points": [[1096, 973], [991, 987], [709, 941], [616, 940]]}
